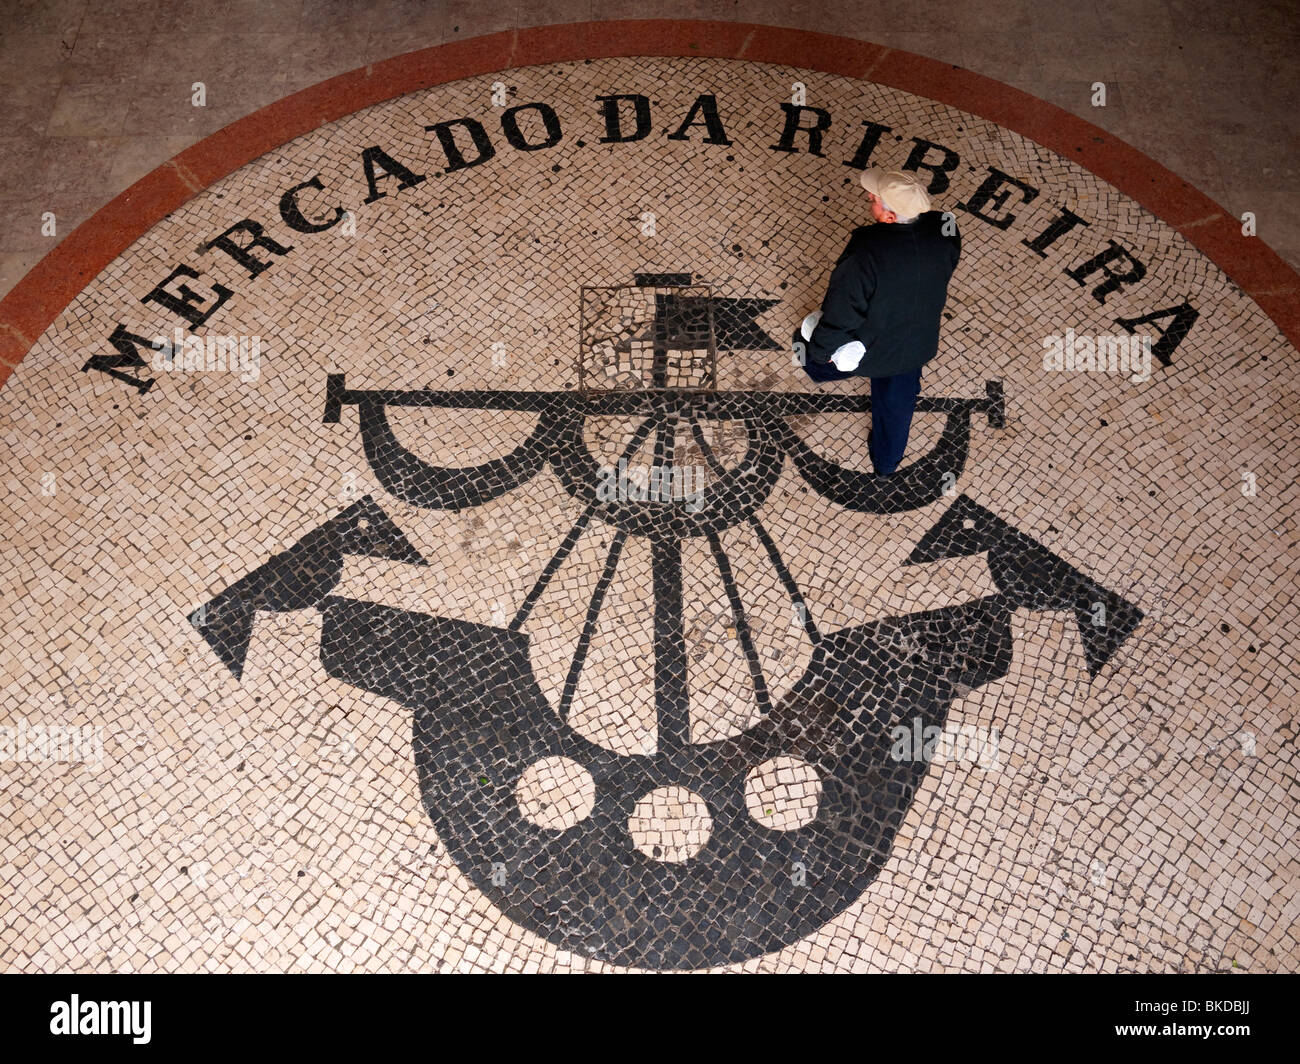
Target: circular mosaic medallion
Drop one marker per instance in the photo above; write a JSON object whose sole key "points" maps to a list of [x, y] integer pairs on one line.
{"points": [[423, 548]]}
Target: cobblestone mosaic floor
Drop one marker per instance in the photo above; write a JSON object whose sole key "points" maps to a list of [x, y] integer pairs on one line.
{"points": [[416, 634]]}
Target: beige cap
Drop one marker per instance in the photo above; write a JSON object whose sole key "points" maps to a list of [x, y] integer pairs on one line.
{"points": [[904, 192]]}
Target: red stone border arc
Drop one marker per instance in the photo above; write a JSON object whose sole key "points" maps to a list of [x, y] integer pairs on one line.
{"points": [[27, 311]]}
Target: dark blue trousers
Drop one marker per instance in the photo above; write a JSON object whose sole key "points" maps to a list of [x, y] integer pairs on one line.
{"points": [[893, 399]]}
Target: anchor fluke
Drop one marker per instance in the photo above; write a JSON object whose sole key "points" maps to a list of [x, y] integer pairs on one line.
{"points": [[298, 578], [1032, 577]]}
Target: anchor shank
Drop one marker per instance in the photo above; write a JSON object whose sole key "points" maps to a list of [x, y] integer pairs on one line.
{"points": [[672, 700]]}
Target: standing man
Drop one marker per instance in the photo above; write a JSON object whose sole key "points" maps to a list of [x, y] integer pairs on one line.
{"points": [[880, 318]]}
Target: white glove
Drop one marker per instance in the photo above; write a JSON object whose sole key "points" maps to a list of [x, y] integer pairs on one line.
{"points": [[846, 359], [810, 323]]}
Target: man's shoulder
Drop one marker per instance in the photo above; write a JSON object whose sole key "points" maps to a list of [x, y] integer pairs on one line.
{"points": [[869, 244], [861, 242], [856, 252], [860, 236]]}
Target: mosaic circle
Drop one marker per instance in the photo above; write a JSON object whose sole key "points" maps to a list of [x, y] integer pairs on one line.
{"points": [[670, 824], [424, 550], [783, 793], [555, 793]]}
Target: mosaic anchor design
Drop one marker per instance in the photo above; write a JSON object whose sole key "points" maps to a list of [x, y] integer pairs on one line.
{"points": [[481, 719]]}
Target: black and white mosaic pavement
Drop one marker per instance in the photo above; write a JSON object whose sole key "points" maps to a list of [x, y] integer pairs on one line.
{"points": [[516, 602]]}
